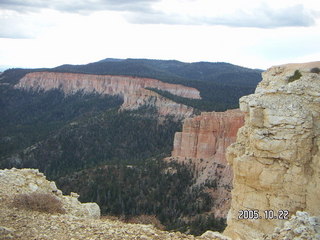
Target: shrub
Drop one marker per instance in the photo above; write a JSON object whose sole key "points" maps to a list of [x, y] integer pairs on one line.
{"points": [[42, 202], [315, 70], [295, 76]]}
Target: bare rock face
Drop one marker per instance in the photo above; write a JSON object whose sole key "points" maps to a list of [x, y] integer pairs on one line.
{"points": [[145, 97], [276, 159], [26, 181], [301, 226], [132, 89], [208, 135], [203, 142]]}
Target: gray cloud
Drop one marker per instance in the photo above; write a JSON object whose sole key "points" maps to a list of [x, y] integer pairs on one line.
{"points": [[20, 25], [16, 25], [141, 12], [80, 6], [263, 17]]}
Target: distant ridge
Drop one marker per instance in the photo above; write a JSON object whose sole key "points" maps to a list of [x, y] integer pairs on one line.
{"points": [[220, 84], [171, 70]]}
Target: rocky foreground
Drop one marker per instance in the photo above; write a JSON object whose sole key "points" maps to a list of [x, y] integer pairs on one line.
{"points": [[80, 221]]}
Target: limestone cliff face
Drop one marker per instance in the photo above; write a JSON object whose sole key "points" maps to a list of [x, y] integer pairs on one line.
{"points": [[276, 159], [203, 141], [132, 89]]}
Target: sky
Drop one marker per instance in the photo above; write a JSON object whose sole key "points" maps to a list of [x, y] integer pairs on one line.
{"points": [[249, 33]]}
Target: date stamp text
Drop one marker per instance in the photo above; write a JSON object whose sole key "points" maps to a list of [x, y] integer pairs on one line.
{"points": [[266, 214]]}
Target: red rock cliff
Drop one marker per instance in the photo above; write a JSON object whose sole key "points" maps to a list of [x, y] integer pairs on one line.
{"points": [[203, 142], [208, 135], [132, 89]]}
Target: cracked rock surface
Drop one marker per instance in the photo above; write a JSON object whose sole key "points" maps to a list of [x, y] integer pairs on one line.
{"points": [[276, 158]]}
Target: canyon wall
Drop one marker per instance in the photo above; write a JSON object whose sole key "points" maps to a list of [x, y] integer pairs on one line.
{"points": [[132, 89], [208, 135], [203, 142], [276, 158]]}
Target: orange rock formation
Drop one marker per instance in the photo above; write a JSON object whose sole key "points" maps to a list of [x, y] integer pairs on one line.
{"points": [[203, 142], [208, 135], [132, 89]]}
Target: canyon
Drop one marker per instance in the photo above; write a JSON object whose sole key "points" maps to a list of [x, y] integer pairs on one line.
{"points": [[203, 142], [271, 145], [134, 90]]}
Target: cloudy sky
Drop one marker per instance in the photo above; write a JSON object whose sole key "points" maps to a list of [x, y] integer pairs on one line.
{"points": [[251, 33]]}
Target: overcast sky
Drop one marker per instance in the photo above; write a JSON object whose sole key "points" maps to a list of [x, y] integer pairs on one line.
{"points": [[250, 33]]}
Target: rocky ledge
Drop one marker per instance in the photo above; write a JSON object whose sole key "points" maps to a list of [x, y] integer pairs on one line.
{"points": [[78, 221], [276, 158]]}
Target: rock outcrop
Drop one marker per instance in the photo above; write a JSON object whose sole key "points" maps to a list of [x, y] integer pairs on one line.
{"points": [[25, 181], [164, 106], [300, 226], [132, 89], [276, 159], [208, 135], [24, 224], [203, 142]]}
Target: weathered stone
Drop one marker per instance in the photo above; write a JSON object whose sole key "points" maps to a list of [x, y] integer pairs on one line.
{"points": [[276, 158], [6, 233], [24, 181], [93, 209], [301, 226], [214, 235]]}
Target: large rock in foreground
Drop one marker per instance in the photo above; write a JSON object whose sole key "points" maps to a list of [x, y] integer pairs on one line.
{"points": [[276, 159], [15, 182]]}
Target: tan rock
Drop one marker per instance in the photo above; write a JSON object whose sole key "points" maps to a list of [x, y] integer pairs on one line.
{"points": [[132, 89], [18, 181], [276, 157], [145, 97], [301, 226], [214, 235]]}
